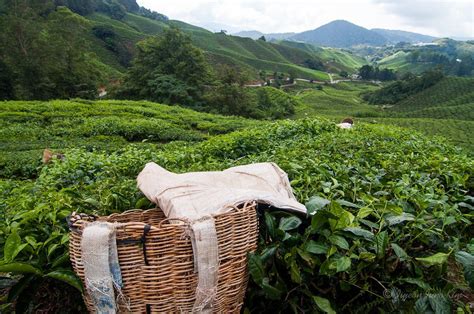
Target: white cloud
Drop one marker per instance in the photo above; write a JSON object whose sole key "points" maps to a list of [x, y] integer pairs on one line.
{"points": [[439, 18]]}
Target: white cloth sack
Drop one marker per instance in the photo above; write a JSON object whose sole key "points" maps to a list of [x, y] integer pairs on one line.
{"points": [[198, 196]]}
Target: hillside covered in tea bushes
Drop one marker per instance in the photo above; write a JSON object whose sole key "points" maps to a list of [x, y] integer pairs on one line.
{"points": [[391, 211]]}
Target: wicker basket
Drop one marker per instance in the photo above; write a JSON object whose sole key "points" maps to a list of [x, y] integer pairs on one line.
{"points": [[156, 260]]}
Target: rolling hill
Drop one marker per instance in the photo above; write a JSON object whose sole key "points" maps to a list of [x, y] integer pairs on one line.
{"points": [[268, 36], [340, 33], [220, 48], [250, 55], [445, 109], [455, 57], [396, 36], [334, 59]]}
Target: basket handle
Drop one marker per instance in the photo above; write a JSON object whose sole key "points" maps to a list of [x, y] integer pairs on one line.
{"points": [[74, 217], [169, 219]]}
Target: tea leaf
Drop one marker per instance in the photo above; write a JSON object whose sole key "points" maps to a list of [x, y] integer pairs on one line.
{"points": [[343, 263], [339, 241], [289, 223], [21, 268], [66, 276], [316, 248], [11, 246], [381, 240], [316, 203], [323, 304], [402, 255], [361, 233], [467, 261], [436, 259], [256, 269]]}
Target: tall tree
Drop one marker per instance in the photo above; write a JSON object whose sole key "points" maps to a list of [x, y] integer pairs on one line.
{"points": [[228, 95], [167, 69]]}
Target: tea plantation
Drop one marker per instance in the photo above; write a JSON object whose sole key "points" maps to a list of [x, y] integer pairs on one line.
{"points": [[391, 210], [27, 128], [445, 109]]}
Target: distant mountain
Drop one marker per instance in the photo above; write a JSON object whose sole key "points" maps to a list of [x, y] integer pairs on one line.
{"points": [[269, 36], [396, 36], [341, 34], [249, 34], [279, 36]]}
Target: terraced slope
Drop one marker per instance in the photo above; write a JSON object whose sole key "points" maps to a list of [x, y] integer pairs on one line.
{"points": [[253, 55], [445, 109]]}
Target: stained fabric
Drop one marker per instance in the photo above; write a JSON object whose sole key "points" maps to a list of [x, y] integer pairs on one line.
{"points": [[101, 266]]}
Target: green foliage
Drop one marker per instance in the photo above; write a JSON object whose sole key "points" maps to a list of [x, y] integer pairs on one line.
{"points": [[169, 69], [377, 217], [26, 128], [368, 72], [120, 47], [450, 56], [402, 89], [272, 103], [46, 53], [6, 82]]}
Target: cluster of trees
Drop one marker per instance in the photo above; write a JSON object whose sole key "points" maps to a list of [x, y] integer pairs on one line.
{"points": [[368, 72], [167, 69], [44, 53], [314, 64], [170, 69], [408, 85], [454, 64]]}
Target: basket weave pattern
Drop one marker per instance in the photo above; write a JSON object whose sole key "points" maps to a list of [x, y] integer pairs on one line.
{"points": [[158, 268]]}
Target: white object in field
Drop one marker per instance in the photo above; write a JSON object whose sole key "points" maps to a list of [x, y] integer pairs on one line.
{"points": [[345, 125], [196, 194]]}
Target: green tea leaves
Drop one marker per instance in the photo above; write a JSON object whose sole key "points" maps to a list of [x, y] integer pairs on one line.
{"points": [[361, 233], [67, 276], [401, 254], [12, 247], [21, 268]]}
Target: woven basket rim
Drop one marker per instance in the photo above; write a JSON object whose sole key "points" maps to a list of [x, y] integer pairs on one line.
{"points": [[73, 226]]}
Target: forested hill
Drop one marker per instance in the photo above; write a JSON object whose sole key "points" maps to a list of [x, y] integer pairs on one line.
{"points": [[66, 48]]}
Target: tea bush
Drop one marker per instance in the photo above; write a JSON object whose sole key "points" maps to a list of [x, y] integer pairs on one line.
{"points": [[390, 225], [26, 128]]}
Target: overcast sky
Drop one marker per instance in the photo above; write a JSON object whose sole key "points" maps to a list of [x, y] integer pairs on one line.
{"points": [[454, 18]]}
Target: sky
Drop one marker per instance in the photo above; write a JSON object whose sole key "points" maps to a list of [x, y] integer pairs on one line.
{"points": [[446, 18]]}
